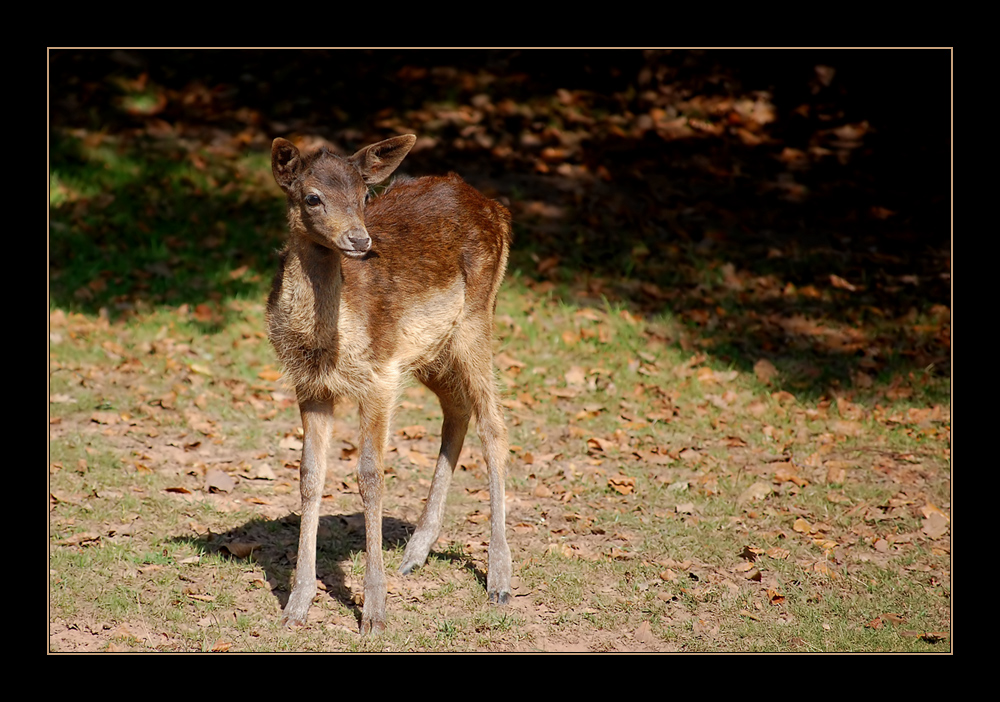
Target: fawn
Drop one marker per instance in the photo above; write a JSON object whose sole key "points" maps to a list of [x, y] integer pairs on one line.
{"points": [[370, 290]]}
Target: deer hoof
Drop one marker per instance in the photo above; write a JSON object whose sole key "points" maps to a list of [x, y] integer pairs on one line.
{"points": [[290, 622], [499, 597], [372, 627]]}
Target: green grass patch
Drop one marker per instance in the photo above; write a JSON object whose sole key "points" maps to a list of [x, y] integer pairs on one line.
{"points": [[667, 490]]}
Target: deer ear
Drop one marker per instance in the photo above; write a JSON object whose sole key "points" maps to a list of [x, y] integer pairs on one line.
{"points": [[285, 162], [378, 161]]}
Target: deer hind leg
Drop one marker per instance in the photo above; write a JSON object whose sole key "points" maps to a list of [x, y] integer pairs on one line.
{"points": [[493, 435], [375, 413], [482, 391], [456, 407], [317, 425]]}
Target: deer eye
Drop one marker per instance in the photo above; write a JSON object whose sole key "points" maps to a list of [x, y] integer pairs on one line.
{"points": [[312, 200]]}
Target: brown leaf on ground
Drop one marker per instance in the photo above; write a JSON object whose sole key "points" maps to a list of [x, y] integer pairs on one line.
{"points": [[105, 417], [622, 484], [413, 432], [218, 481], [839, 282], [654, 458], [240, 549], [765, 371], [597, 444], [757, 491], [935, 521], [644, 634], [542, 490], [576, 376], [892, 618], [802, 526], [82, 539]]}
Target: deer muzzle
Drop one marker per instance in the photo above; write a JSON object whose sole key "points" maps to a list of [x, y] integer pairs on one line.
{"points": [[355, 243]]}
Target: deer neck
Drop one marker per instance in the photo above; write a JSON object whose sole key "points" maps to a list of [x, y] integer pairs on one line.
{"points": [[322, 280]]}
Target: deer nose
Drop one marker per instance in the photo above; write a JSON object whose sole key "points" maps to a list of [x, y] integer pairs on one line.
{"points": [[359, 239], [360, 242]]}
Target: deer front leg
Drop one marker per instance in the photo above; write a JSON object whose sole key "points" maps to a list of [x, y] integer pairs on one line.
{"points": [[371, 485], [317, 425]]}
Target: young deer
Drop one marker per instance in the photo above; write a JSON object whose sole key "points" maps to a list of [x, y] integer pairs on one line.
{"points": [[370, 291]]}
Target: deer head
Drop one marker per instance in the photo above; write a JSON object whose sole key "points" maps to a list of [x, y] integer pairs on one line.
{"points": [[326, 193]]}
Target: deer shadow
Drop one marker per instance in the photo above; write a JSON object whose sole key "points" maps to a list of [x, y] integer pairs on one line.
{"points": [[273, 545]]}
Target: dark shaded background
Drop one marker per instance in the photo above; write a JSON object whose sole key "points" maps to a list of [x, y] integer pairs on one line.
{"points": [[851, 178]]}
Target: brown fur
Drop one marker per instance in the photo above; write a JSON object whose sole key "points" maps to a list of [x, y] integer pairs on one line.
{"points": [[370, 293]]}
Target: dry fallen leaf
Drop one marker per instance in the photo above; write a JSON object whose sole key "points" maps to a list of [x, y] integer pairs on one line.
{"points": [[839, 282], [783, 397], [414, 431], [292, 443], [81, 539], [787, 473], [703, 628], [576, 376], [765, 371], [262, 471], [240, 549], [595, 444], [506, 362], [930, 509], [757, 491], [644, 634], [622, 484], [218, 481], [935, 522], [570, 337], [562, 549], [104, 417]]}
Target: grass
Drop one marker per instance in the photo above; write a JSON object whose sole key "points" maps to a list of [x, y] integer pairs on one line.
{"points": [[663, 495]]}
